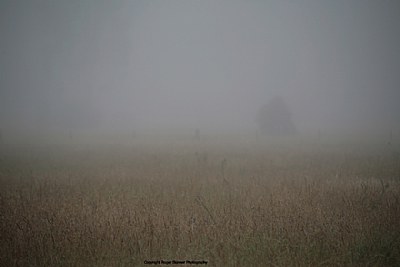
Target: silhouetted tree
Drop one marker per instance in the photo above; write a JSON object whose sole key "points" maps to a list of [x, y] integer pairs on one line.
{"points": [[275, 118]]}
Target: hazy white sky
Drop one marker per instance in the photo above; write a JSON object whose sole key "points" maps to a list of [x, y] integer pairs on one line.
{"points": [[209, 64]]}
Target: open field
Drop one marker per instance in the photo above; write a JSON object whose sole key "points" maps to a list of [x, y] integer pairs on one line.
{"points": [[231, 205]]}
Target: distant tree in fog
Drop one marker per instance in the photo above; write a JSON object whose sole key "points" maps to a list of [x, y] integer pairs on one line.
{"points": [[275, 118]]}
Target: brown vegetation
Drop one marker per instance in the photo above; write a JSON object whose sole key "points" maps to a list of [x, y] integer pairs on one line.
{"points": [[229, 206]]}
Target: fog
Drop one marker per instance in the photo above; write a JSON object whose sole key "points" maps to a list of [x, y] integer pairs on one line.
{"points": [[145, 66]]}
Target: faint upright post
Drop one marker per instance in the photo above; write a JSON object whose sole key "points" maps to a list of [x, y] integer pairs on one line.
{"points": [[390, 137], [319, 135], [197, 134]]}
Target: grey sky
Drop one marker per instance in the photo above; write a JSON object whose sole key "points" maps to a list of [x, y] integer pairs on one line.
{"points": [[209, 64]]}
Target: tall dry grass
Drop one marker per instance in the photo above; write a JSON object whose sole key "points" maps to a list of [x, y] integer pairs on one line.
{"points": [[271, 206]]}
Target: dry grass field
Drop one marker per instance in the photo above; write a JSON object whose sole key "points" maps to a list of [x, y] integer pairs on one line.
{"points": [[229, 205]]}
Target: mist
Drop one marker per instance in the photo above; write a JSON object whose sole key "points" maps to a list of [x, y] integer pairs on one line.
{"points": [[143, 66]]}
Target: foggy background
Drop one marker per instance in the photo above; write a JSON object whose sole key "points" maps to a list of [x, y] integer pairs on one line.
{"points": [[97, 65]]}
